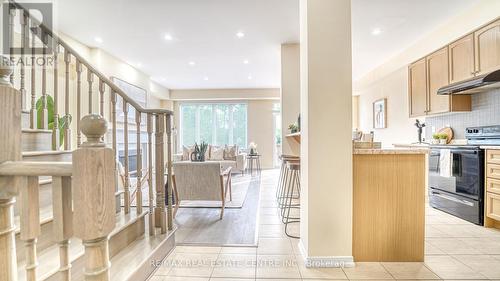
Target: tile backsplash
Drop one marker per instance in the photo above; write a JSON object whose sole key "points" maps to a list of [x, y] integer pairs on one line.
{"points": [[485, 112]]}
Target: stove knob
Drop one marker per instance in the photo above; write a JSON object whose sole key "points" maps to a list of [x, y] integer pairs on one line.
{"points": [[476, 131]]}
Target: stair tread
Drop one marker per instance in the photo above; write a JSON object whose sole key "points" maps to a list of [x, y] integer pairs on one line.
{"points": [[47, 152], [48, 259], [44, 131]]}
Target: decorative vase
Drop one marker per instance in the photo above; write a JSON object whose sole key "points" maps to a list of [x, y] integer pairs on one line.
{"points": [[443, 141], [252, 151], [435, 141]]}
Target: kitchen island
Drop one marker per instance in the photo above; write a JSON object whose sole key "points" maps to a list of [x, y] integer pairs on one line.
{"points": [[389, 204]]}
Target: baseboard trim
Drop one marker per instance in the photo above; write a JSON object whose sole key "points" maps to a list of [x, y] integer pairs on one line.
{"points": [[324, 262]]}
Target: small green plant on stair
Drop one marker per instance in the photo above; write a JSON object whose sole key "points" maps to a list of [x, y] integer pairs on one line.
{"points": [[63, 121]]}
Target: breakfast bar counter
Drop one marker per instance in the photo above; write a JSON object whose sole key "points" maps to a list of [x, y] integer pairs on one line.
{"points": [[389, 204]]}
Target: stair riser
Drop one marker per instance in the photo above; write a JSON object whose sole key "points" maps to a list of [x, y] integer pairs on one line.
{"points": [[44, 241], [145, 269], [117, 242], [25, 120], [36, 141], [45, 197]]}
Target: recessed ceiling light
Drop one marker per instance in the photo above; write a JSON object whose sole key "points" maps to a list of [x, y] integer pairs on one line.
{"points": [[139, 65], [98, 40], [250, 77], [168, 37], [240, 34], [376, 31], [246, 62], [191, 63], [205, 78]]}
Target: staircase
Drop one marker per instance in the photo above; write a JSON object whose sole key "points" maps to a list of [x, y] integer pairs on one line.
{"points": [[62, 215]]}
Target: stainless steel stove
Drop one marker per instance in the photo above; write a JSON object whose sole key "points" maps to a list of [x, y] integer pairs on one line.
{"points": [[456, 174]]}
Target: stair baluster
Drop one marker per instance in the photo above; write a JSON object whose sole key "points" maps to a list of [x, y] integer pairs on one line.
{"points": [[94, 224], [30, 223], [102, 88], [55, 129], [67, 129], [126, 186], [90, 79], [160, 215], [12, 15], [169, 172], [23, 20], [33, 111], [62, 222], [150, 175], [138, 194], [78, 102], [44, 120]]}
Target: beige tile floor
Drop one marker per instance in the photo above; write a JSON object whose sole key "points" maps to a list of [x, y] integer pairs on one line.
{"points": [[455, 250]]}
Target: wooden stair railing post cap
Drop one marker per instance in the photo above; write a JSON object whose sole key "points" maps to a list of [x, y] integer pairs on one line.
{"points": [[94, 126], [6, 70]]}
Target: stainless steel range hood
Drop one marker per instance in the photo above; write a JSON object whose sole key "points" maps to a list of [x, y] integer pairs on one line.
{"points": [[477, 84]]}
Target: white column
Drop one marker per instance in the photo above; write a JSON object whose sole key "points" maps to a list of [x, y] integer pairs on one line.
{"points": [[326, 148], [290, 95]]}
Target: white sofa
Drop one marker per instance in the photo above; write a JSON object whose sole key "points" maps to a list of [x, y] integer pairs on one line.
{"points": [[238, 165]]}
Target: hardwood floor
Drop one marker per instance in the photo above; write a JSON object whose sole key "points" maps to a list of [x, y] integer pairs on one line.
{"points": [[202, 226]]}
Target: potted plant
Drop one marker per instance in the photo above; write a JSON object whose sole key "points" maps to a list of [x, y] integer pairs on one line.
{"points": [[443, 138], [198, 155], [63, 121], [435, 138], [294, 128]]}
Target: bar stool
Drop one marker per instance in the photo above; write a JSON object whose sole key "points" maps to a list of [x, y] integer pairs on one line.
{"points": [[292, 188], [283, 175]]}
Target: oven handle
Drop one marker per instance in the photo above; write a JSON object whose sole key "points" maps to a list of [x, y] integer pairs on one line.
{"points": [[463, 152], [465, 202]]}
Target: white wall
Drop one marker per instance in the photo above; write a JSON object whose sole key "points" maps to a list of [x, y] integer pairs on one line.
{"points": [[290, 95], [390, 79]]}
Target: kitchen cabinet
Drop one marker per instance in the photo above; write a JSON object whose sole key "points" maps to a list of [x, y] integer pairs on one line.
{"points": [[417, 87], [492, 194], [426, 76], [487, 48], [437, 77], [461, 56]]}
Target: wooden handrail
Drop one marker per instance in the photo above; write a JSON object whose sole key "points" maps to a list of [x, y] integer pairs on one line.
{"points": [[27, 168], [92, 69]]}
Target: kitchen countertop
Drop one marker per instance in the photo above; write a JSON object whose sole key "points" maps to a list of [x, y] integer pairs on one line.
{"points": [[490, 147], [421, 150]]}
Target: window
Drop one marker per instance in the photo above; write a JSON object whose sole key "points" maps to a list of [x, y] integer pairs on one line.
{"points": [[214, 123]]}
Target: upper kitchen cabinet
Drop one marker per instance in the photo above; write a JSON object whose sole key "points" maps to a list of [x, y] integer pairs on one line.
{"points": [[417, 87], [426, 76], [462, 59], [437, 77], [487, 40]]}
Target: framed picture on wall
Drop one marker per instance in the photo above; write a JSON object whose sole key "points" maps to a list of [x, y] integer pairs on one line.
{"points": [[380, 114]]}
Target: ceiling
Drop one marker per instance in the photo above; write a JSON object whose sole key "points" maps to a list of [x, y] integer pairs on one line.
{"points": [[203, 50]]}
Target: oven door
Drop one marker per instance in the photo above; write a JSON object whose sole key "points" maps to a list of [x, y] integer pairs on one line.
{"points": [[457, 171]]}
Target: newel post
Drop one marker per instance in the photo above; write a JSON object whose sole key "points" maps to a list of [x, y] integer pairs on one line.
{"points": [[10, 150], [94, 185]]}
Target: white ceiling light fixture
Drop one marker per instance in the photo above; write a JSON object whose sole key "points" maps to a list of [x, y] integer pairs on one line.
{"points": [[246, 62], [98, 40], [168, 37], [250, 77], [376, 31], [240, 34], [191, 63], [139, 65], [205, 78]]}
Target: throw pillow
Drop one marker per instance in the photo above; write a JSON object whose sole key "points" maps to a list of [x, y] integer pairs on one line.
{"points": [[217, 153], [186, 152], [230, 152]]}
